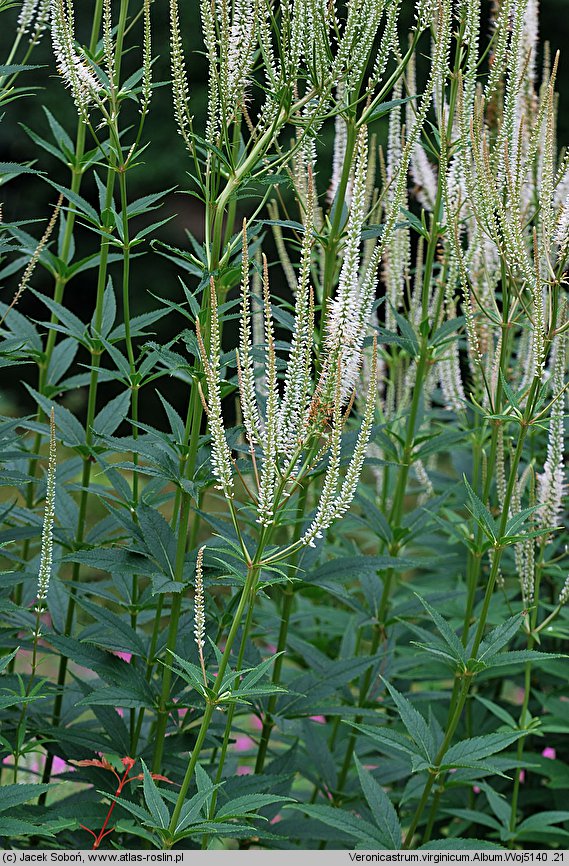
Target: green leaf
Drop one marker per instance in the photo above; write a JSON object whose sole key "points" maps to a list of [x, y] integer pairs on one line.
{"points": [[75, 327], [407, 331], [476, 748], [474, 817], [13, 827], [519, 657], [344, 822], [499, 805], [541, 820], [109, 310], [249, 803], [112, 414], [15, 168], [452, 641], [115, 560], [189, 672], [68, 426], [257, 672], [81, 204], [61, 359], [498, 711], [511, 397], [387, 739], [125, 637], [499, 637], [5, 660], [134, 809], [192, 808], [15, 795], [385, 107], [517, 520], [45, 145], [128, 696], [159, 538], [481, 514], [381, 807], [319, 684], [416, 725], [146, 203], [156, 805], [458, 844]]}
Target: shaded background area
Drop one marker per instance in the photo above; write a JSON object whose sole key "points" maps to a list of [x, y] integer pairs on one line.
{"points": [[165, 166]]}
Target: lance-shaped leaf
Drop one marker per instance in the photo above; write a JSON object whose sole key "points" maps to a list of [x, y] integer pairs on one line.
{"points": [[381, 807]]}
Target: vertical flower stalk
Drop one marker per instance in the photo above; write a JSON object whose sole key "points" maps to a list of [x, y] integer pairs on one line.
{"points": [[46, 557], [44, 577], [199, 612], [551, 482]]}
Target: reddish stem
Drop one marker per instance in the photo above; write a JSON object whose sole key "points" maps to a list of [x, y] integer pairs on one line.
{"points": [[104, 832]]}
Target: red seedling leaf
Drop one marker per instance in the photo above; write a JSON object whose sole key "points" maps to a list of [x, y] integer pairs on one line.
{"points": [[156, 776], [93, 762]]}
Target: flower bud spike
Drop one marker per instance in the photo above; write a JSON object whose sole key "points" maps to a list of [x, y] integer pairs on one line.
{"points": [[245, 364], [270, 445], [221, 454], [199, 611], [46, 556], [146, 58], [180, 89], [551, 482], [298, 372]]}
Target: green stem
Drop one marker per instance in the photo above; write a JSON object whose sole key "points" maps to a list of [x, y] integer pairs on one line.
{"points": [[434, 771], [466, 680], [163, 711], [191, 424], [247, 596], [96, 351], [527, 690], [230, 713], [334, 234], [134, 388], [59, 287], [398, 501], [268, 721]]}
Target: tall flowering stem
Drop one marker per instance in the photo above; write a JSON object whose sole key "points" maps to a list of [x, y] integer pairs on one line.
{"points": [[44, 575]]}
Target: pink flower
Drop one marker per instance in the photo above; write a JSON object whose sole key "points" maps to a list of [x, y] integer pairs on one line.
{"points": [[243, 743], [320, 719], [244, 771], [256, 723], [475, 789], [518, 696], [549, 752], [522, 776], [59, 766]]}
